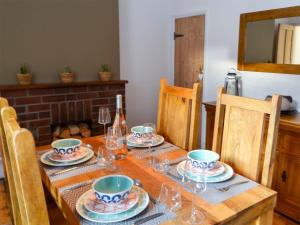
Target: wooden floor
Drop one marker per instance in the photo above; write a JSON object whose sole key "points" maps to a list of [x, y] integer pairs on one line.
{"points": [[5, 218], [4, 211]]}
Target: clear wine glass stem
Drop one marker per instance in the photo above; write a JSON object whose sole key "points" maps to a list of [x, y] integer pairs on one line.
{"points": [[104, 129]]}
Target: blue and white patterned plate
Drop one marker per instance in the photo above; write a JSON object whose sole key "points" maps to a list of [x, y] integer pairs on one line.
{"points": [[102, 218], [81, 153], [46, 159], [92, 204], [131, 142], [227, 174]]}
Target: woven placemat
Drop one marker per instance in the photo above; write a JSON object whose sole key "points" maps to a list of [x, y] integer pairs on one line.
{"points": [[84, 167], [141, 153], [212, 195], [72, 196]]}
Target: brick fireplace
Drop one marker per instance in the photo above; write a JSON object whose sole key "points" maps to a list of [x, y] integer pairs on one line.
{"points": [[40, 106]]}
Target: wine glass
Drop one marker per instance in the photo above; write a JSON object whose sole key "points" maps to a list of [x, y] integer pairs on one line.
{"points": [[114, 141], [195, 180], [104, 117], [170, 197], [149, 134], [147, 138], [105, 159]]}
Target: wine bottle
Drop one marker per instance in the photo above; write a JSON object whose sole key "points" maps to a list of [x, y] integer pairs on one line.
{"points": [[120, 117], [120, 121]]}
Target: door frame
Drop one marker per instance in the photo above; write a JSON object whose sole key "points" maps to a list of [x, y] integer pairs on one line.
{"points": [[173, 25], [205, 59]]}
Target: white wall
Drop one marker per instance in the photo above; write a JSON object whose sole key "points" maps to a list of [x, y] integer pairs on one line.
{"points": [[222, 46], [144, 53], [146, 50]]}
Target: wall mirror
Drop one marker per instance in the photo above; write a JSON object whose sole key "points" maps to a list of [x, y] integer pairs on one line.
{"points": [[269, 41]]}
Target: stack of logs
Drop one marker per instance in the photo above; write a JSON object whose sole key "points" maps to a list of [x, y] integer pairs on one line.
{"points": [[79, 131]]}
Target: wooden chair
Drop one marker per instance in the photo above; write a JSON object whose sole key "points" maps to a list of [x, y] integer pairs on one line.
{"points": [[179, 114], [239, 135], [9, 182], [14, 181], [25, 170]]}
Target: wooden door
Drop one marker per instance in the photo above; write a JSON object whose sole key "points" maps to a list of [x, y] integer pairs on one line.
{"points": [[189, 50], [284, 45]]}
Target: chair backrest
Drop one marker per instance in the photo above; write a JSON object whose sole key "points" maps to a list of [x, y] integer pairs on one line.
{"points": [[3, 103], [179, 114], [25, 170], [10, 184], [239, 135]]}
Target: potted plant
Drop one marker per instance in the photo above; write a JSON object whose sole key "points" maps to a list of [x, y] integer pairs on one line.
{"points": [[67, 76], [105, 73], [24, 77]]}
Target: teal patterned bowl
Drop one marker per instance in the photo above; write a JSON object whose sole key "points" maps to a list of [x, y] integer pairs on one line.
{"points": [[203, 159], [66, 146], [138, 131], [112, 188]]}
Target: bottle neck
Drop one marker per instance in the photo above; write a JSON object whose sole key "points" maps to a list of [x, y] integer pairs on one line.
{"points": [[119, 103]]}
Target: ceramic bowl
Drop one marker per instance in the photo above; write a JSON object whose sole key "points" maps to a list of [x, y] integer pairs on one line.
{"points": [[66, 146], [138, 131], [113, 188], [203, 159]]}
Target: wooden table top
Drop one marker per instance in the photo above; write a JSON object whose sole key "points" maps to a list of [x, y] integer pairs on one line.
{"points": [[237, 210]]}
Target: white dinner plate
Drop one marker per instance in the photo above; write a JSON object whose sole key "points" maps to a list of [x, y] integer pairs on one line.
{"points": [[131, 142], [227, 174]]}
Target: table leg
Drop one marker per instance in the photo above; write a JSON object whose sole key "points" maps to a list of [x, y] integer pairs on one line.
{"points": [[264, 219]]}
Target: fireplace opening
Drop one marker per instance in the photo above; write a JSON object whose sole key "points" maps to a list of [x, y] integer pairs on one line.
{"points": [[77, 130]]}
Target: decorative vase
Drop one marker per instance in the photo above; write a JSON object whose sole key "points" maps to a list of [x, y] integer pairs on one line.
{"points": [[24, 79], [105, 76], [67, 77]]}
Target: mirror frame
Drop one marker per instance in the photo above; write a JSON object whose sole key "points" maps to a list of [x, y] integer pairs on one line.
{"points": [[264, 15]]}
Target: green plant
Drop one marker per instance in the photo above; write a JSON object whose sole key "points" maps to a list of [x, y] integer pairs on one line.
{"points": [[105, 68], [67, 69], [23, 69]]}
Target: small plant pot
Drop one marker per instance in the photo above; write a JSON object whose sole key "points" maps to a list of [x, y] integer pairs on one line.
{"points": [[67, 77], [105, 76], [24, 79]]}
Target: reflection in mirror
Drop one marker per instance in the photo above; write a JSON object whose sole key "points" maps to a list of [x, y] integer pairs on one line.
{"points": [[273, 41]]}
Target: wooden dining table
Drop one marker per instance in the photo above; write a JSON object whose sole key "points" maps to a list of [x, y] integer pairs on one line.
{"points": [[254, 206]]}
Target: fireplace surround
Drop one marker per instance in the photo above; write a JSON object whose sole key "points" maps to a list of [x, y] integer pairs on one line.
{"points": [[39, 106]]}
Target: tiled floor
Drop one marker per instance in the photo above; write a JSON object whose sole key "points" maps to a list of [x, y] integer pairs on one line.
{"points": [[5, 219]]}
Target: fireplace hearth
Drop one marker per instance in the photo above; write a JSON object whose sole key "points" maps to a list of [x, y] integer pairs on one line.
{"points": [[41, 106]]}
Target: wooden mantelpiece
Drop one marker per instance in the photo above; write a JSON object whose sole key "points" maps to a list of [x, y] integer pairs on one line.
{"points": [[287, 167], [58, 85]]}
